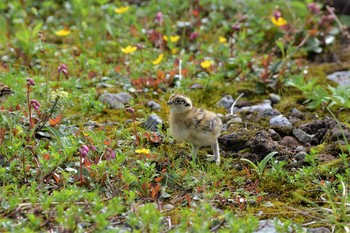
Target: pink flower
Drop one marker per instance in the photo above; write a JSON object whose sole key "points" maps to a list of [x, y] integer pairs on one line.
{"points": [[194, 35], [236, 27], [159, 17], [93, 148], [30, 82], [130, 110], [84, 150], [35, 104], [62, 68], [110, 154], [313, 8], [277, 14]]}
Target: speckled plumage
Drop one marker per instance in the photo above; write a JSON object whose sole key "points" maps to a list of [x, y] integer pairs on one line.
{"points": [[5, 92], [195, 125]]}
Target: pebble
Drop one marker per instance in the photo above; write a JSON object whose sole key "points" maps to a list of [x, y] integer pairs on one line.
{"points": [[196, 86], [154, 106], [290, 142], [235, 120], [300, 156], [274, 135], [103, 85], [340, 77], [296, 113], [280, 121], [105, 79], [111, 100], [260, 108], [302, 136], [152, 122], [275, 98], [124, 97], [225, 102]]}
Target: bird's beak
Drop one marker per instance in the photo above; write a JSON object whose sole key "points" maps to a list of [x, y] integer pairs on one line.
{"points": [[169, 103]]}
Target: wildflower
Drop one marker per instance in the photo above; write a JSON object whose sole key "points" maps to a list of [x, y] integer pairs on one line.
{"points": [[35, 104], [142, 151], [174, 51], [92, 147], [62, 32], [121, 10], [194, 35], [278, 22], [130, 110], [84, 150], [172, 38], [313, 8], [206, 64], [59, 93], [222, 40], [129, 49], [158, 60], [30, 82], [236, 26], [62, 68], [109, 154], [159, 17]]}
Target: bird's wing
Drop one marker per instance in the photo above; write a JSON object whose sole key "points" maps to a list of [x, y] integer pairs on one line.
{"points": [[205, 120]]}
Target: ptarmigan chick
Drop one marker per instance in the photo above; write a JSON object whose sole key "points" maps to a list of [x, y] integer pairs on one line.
{"points": [[5, 92], [195, 125]]}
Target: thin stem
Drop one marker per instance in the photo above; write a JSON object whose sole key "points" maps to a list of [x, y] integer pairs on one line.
{"points": [[29, 108], [81, 169], [135, 130]]}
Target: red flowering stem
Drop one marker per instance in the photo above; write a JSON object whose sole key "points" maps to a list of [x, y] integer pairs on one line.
{"points": [[29, 108], [135, 130], [81, 168]]}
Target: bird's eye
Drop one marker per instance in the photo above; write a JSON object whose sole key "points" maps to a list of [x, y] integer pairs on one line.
{"points": [[177, 101]]}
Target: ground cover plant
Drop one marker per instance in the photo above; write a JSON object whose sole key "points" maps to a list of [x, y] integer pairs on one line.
{"points": [[84, 140]]}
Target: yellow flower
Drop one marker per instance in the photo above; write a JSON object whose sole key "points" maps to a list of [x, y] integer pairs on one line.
{"points": [[172, 38], [62, 32], [158, 60], [278, 22], [206, 64], [222, 40], [174, 51], [121, 10], [142, 151], [129, 49]]}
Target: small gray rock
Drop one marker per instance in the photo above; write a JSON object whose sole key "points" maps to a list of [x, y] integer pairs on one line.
{"points": [[274, 135], [154, 106], [152, 122], [111, 100], [340, 77], [124, 97], [103, 85], [319, 230], [105, 79], [296, 113], [289, 141], [302, 136], [300, 156], [235, 120], [275, 98], [263, 108], [226, 102], [196, 86], [280, 121]]}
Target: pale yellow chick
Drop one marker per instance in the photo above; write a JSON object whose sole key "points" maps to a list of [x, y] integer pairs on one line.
{"points": [[195, 125]]}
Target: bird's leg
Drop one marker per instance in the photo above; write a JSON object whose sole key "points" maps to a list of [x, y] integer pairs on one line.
{"points": [[216, 152], [194, 152]]}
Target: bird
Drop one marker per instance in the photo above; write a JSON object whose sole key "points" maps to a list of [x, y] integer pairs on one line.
{"points": [[197, 126], [5, 92]]}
